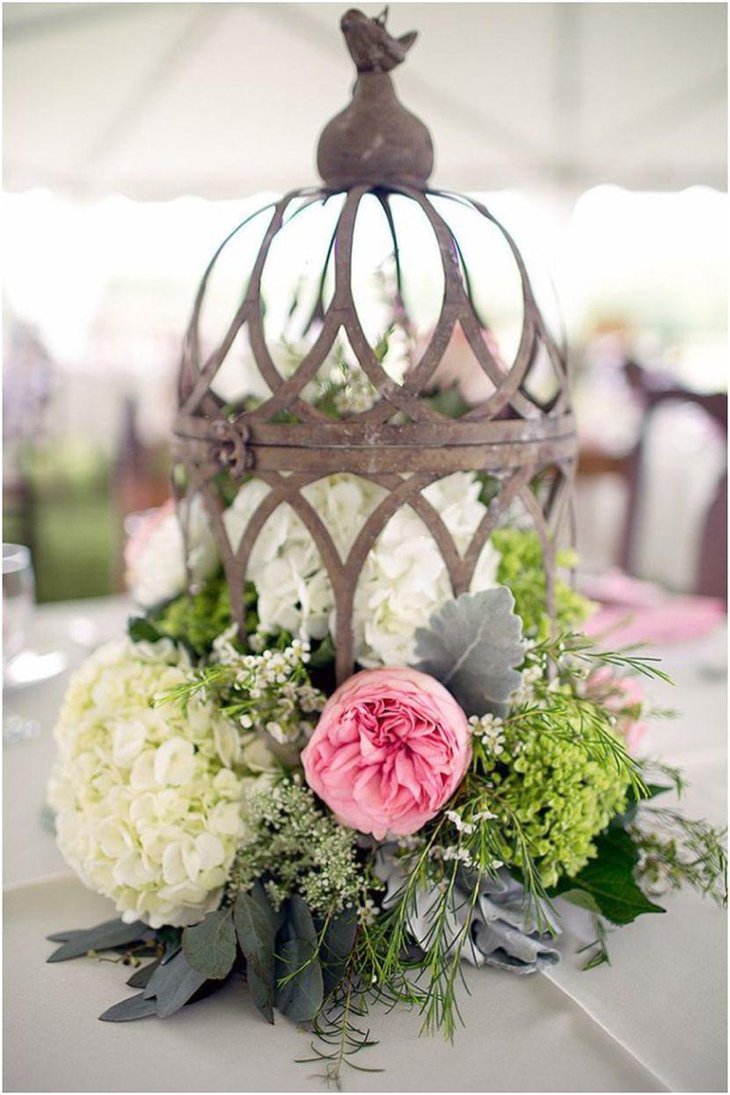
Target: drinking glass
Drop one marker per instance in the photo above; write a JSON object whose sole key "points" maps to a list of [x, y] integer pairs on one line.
{"points": [[21, 666], [18, 601]]}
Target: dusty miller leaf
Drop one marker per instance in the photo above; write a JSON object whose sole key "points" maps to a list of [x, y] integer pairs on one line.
{"points": [[472, 646]]}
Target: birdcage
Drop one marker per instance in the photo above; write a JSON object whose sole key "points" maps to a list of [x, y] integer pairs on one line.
{"points": [[329, 402]]}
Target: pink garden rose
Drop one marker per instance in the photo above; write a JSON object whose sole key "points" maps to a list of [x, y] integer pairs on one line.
{"points": [[623, 697], [391, 747]]}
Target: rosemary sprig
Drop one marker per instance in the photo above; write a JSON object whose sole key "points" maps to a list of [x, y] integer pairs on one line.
{"points": [[582, 648], [676, 851]]}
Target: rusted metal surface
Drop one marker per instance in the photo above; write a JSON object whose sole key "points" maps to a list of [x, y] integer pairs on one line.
{"points": [[401, 442], [374, 141]]}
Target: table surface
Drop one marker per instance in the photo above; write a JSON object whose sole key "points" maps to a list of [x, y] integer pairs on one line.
{"points": [[654, 1020]]}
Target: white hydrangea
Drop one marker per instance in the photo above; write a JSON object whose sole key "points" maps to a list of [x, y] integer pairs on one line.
{"points": [[148, 800], [404, 580], [155, 555]]}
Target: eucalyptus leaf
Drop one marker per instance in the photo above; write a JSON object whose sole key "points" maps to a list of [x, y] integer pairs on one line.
{"points": [[339, 938], [256, 924], [472, 646], [173, 985], [110, 934], [141, 977], [299, 980], [210, 946], [65, 937], [172, 946], [300, 921], [134, 1007], [300, 991]]}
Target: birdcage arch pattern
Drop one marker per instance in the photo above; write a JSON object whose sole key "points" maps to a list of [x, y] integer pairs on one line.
{"points": [[401, 442]]}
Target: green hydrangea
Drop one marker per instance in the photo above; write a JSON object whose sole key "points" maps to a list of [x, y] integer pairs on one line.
{"points": [[521, 568], [194, 619], [293, 846], [560, 799]]}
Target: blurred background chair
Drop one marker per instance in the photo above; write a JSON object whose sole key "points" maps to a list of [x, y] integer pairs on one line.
{"points": [[655, 390]]}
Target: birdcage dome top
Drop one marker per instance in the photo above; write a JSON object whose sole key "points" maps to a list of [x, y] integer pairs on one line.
{"points": [[257, 375]]}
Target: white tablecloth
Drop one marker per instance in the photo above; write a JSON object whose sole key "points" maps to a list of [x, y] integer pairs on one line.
{"points": [[654, 1020]]}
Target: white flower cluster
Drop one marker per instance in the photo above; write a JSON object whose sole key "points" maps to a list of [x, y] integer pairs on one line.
{"points": [[299, 846], [268, 692], [155, 556], [525, 694], [148, 798], [358, 394], [490, 729], [404, 580]]}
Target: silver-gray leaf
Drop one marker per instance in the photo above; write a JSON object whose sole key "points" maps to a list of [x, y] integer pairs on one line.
{"points": [[501, 925], [472, 646]]}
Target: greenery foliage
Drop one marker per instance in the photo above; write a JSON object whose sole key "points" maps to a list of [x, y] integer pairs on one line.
{"points": [[194, 619], [295, 847], [674, 851], [522, 570], [560, 797]]}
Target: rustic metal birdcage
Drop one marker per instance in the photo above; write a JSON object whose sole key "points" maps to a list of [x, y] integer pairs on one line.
{"points": [[376, 152]]}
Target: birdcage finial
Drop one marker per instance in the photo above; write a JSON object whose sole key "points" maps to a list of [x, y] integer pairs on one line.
{"points": [[374, 141]]}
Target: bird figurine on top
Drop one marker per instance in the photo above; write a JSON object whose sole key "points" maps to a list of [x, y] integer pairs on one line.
{"points": [[374, 141], [371, 47]]}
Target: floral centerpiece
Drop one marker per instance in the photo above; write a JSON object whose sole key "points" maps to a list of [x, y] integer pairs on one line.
{"points": [[334, 846], [355, 735]]}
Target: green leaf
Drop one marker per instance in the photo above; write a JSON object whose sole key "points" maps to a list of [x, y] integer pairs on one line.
{"points": [[300, 984], [135, 1007], [255, 923], [142, 630], [654, 789], [324, 655], [582, 899], [104, 937], [299, 920], [634, 800], [609, 880], [141, 977], [173, 985], [472, 646], [172, 946], [210, 946], [337, 945]]}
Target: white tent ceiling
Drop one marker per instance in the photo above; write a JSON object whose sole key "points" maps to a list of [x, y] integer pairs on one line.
{"points": [[159, 100]]}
